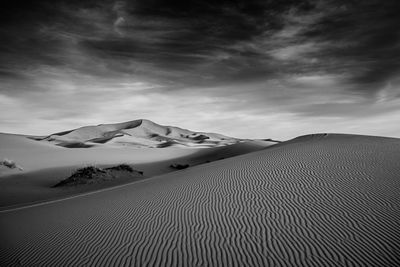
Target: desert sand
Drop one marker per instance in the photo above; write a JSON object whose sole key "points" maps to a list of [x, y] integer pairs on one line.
{"points": [[317, 200], [43, 168], [128, 142], [41, 162], [137, 133]]}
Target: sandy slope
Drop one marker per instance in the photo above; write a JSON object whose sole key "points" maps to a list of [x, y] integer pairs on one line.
{"points": [[315, 201], [34, 155], [137, 133], [44, 168], [127, 142]]}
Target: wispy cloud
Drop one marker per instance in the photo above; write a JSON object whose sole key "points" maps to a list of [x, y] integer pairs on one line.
{"points": [[295, 65]]}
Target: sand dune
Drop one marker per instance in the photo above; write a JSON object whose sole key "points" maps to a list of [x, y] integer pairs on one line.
{"points": [[33, 155], [137, 133], [43, 167], [325, 200], [129, 142]]}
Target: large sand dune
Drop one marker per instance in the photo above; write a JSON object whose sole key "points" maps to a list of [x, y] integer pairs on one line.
{"points": [[314, 201], [138, 142], [38, 155], [137, 133]]}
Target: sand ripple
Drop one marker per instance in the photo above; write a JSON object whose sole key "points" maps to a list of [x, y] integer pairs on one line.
{"points": [[316, 201]]}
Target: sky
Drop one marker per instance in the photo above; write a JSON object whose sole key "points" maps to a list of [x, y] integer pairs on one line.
{"points": [[244, 68]]}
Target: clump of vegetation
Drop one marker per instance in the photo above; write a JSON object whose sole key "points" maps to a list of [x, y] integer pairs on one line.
{"points": [[88, 172], [91, 174], [10, 164], [179, 166], [85, 175], [123, 167]]}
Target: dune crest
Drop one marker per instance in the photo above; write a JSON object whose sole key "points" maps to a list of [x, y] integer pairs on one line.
{"points": [[136, 133]]}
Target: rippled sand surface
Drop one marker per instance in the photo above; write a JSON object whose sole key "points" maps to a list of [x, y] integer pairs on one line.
{"points": [[322, 200]]}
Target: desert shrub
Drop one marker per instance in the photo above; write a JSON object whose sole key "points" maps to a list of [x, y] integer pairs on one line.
{"points": [[121, 167], [87, 172], [10, 164], [179, 166], [93, 174]]}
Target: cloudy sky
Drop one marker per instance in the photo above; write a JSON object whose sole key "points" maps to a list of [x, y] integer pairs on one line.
{"points": [[245, 68]]}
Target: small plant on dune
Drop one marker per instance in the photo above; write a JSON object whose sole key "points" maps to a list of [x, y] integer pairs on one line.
{"points": [[94, 174], [82, 176], [121, 167], [10, 164], [88, 172], [179, 166]]}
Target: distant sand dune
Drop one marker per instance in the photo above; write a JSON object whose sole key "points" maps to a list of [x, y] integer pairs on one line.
{"points": [[137, 133], [331, 201]]}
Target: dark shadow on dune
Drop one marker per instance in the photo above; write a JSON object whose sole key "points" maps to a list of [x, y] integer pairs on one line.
{"points": [[271, 140], [167, 144], [36, 138], [134, 124], [74, 145], [63, 133], [106, 138], [200, 137]]}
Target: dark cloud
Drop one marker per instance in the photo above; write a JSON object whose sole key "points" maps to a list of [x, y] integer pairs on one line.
{"points": [[370, 40], [169, 34], [267, 52]]}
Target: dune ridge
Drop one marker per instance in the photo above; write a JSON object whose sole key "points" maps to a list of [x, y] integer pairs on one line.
{"points": [[331, 201], [138, 141], [136, 133]]}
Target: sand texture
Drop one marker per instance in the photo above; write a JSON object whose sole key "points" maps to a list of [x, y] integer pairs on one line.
{"points": [[322, 200], [137, 133], [44, 167], [134, 142]]}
